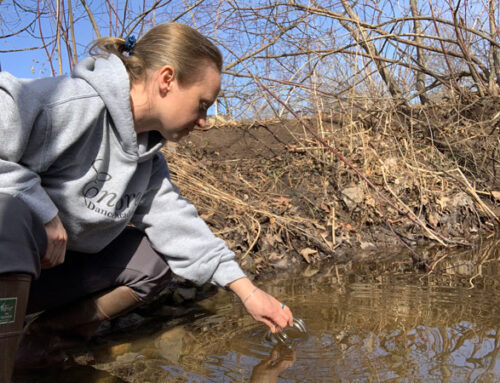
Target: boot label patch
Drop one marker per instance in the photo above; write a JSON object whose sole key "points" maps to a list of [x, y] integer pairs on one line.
{"points": [[8, 310]]}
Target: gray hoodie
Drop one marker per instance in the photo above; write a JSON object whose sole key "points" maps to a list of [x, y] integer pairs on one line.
{"points": [[68, 147]]}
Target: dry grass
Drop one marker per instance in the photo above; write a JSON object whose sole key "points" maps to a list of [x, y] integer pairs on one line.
{"points": [[246, 206], [438, 166]]}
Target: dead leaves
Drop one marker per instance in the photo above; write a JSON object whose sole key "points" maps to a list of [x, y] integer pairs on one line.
{"points": [[307, 252], [433, 219], [281, 201]]}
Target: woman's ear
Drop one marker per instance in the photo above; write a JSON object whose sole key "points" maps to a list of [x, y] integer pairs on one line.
{"points": [[166, 77]]}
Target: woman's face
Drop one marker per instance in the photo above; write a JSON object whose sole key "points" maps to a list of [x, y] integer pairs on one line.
{"points": [[180, 108]]}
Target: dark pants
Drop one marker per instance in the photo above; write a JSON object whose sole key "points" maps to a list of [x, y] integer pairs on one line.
{"points": [[127, 261]]}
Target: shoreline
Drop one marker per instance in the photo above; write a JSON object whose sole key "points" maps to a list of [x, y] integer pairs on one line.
{"points": [[279, 198]]}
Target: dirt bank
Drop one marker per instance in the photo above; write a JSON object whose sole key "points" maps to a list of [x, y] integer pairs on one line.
{"points": [[278, 197]]}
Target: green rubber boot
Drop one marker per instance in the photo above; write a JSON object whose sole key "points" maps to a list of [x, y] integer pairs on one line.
{"points": [[14, 292]]}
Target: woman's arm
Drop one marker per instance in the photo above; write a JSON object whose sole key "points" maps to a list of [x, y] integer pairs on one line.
{"points": [[176, 231], [22, 122], [193, 252]]}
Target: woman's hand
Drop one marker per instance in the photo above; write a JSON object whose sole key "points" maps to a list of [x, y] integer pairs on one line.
{"points": [[268, 371], [56, 243], [262, 306]]}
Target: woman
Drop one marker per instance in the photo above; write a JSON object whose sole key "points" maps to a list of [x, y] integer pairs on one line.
{"points": [[86, 196]]}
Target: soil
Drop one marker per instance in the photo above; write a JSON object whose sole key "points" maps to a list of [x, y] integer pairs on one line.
{"points": [[279, 198]]}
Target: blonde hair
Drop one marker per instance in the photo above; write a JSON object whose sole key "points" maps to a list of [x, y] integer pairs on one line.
{"points": [[175, 44]]}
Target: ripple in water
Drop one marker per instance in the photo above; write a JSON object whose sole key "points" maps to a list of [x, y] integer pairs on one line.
{"points": [[401, 328], [364, 332]]}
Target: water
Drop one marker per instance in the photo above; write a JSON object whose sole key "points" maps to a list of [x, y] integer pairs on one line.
{"points": [[368, 321]]}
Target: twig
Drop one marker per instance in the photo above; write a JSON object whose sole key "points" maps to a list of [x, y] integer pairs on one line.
{"points": [[473, 193], [255, 239], [91, 17]]}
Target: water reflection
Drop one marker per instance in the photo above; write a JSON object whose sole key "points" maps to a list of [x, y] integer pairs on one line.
{"points": [[269, 370], [372, 321]]}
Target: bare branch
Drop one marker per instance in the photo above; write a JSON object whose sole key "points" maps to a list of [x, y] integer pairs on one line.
{"points": [[18, 32], [92, 19], [371, 50], [72, 29], [458, 32], [261, 48], [135, 22], [58, 34]]}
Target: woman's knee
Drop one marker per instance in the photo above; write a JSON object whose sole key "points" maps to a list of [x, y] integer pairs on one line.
{"points": [[147, 273], [149, 285]]}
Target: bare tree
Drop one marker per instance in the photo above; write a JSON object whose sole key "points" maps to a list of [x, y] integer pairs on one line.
{"points": [[361, 50]]}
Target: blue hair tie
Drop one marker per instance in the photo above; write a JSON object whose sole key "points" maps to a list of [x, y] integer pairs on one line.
{"points": [[129, 44]]}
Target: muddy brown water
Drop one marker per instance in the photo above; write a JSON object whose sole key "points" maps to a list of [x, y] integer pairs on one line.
{"points": [[368, 321]]}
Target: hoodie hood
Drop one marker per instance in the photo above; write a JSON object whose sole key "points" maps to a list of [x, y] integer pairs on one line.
{"points": [[108, 76]]}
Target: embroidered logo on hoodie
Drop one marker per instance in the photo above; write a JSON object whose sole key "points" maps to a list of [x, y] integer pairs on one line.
{"points": [[105, 201]]}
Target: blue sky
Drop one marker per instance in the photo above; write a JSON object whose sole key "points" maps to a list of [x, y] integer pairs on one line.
{"points": [[20, 63]]}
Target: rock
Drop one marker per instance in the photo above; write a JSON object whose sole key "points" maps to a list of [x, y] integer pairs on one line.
{"points": [[182, 294], [188, 294], [127, 321], [150, 353], [353, 196], [278, 261], [119, 349], [128, 357], [170, 343], [86, 358]]}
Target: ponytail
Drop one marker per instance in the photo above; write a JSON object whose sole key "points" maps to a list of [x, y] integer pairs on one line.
{"points": [[175, 44]]}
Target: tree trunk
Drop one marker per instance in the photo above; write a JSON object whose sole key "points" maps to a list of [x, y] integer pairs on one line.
{"points": [[494, 54], [420, 75]]}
